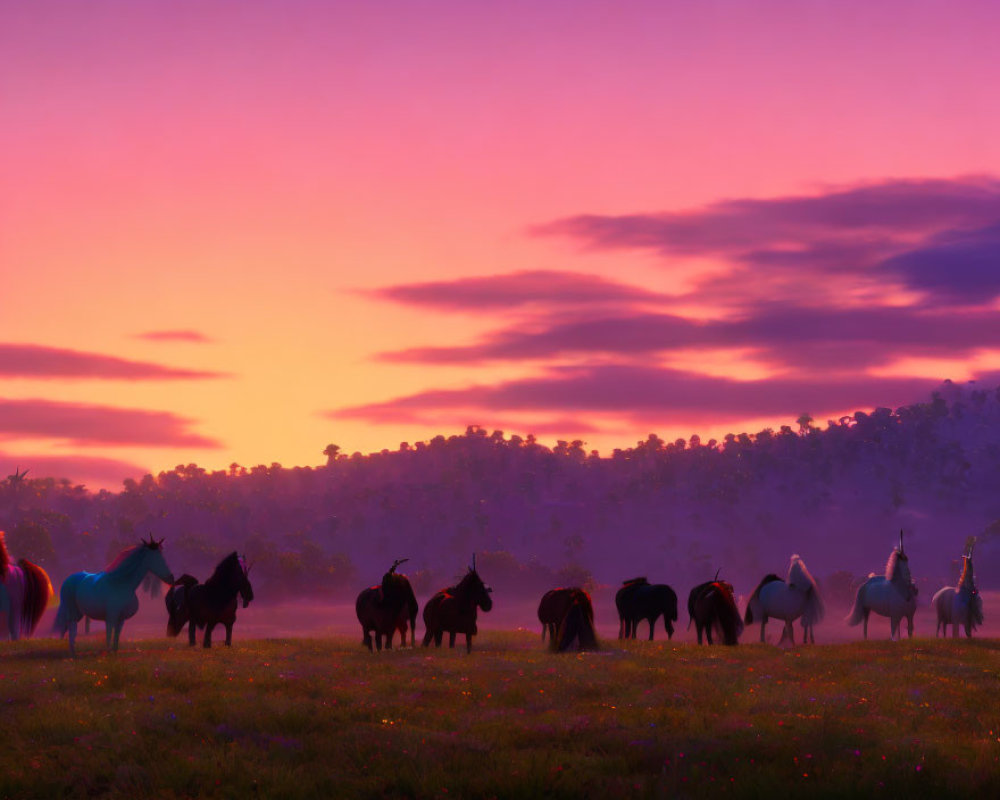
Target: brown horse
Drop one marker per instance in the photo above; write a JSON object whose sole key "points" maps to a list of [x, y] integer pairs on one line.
{"points": [[554, 605], [386, 608], [639, 599], [711, 605], [576, 628], [454, 610], [214, 602]]}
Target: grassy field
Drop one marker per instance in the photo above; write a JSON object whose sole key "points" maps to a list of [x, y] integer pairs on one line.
{"points": [[323, 718]]}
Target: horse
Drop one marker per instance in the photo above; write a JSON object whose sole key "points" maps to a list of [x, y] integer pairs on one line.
{"points": [[796, 596], [576, 626], [711, 605], [387, 608], [639, 599], [961, 604], [25, 590], [893, 595], [214, 602], [553, 612], [110, 595], [454, 609]]}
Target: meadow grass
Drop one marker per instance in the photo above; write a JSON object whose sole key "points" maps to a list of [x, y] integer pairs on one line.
{"points": [[324, 718]]}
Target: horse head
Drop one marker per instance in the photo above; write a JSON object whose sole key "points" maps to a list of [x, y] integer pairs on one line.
{"points": [[155, 562], [245, 589]]}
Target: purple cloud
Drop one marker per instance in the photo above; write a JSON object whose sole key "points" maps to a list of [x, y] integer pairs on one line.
{"points": [[195, 337], [782, 336], [499, 292], [83, 425], [911, 231], [38, 361], [654, 395]]}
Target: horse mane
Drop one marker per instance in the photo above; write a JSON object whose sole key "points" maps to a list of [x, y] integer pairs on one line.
{"points": [[119, 561], [225, 566], [636, 582], [966, 572], [893, 563], [4, 555], [798, 574]]}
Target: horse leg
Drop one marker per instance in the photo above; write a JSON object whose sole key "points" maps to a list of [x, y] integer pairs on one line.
{"points": [[451, 638], [909, 627], [763, 622], [438, 638], [229, 634], [71, 629], [119, 624], [866, 613], [954, 630], [652, 622], [378, 640], [192, 632], [428, 635], [468, 643], [208, 634]]}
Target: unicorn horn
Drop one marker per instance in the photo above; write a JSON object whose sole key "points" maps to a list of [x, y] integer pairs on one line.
{"points": [[901, 541], [473, 562], [717, 574]]}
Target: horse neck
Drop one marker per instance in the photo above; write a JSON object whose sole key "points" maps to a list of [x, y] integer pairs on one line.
{"points": [[225, 581], [465, 591], [897, 570], [966, 581], [131, 570]]}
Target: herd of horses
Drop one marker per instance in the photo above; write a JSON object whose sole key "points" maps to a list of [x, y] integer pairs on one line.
{"points": [[566, 614]]}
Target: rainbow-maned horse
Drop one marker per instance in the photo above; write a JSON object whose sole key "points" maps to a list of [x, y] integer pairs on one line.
{"points": [[25, 590]]}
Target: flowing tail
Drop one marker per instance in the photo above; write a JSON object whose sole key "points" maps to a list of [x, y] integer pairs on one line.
{"points": [[815, 609], [37, 591], [858, 609]]}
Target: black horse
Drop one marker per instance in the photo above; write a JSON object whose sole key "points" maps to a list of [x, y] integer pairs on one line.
{"points": [[205, 605], [453, 610], [554, 605], [576, 627], [711, 605], [639, 599], [387, 608]]}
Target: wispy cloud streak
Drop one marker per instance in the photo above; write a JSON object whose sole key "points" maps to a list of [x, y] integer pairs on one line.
{"points": [[40, 362]]}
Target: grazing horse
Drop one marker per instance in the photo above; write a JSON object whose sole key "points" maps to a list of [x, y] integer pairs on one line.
{"points": [[639, 599], [962, 604], [554, 610], [797, 596], [711, 605], [25, 590], [205, 605], [110, 595], [893, 595], [454, 609], [387, 608]]}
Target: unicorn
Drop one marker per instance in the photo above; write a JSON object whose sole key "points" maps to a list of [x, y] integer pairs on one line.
{"points": [[796, 596], [25, 590], [893, 596], [962, 604], [110, 595]]}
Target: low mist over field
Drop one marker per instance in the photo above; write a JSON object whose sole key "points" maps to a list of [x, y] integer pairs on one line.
{"points": [[837, 493]]}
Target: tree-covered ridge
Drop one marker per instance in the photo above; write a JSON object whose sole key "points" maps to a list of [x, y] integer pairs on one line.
{"points": [[677, 510]]}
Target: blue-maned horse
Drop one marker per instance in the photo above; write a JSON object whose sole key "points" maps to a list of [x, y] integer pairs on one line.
{"points": [[25, 590], [893, 595], [959, 605], [796, 596], [110, 595]]}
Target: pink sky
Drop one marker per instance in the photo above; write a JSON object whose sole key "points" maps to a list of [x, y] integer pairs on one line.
{"points": [[237, 232]]}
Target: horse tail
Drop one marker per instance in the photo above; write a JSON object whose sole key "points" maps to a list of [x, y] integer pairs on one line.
{"points": [[814, 610], [857, 613], [37, 591], [976, 611], [755, 597]]}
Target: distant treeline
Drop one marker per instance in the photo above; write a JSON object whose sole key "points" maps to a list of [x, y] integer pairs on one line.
{"points": [[838, 494]]}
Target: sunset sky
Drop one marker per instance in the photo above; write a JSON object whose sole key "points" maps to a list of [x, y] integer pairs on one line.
{"points": [[241, 231]]}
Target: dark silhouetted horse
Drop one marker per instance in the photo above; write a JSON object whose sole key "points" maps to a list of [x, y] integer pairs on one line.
{"points": [[453, 610], [554, 605], [639, 599], [576, 628], [386, 608], [712, 606], [205, 605]]}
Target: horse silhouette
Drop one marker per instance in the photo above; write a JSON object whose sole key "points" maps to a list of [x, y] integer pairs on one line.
{"points": [[453, 610], [386, 608], [214, 602], [893, 595], [568, 616], [638, 599], [712, 606], [961, 604], [797, 596]]}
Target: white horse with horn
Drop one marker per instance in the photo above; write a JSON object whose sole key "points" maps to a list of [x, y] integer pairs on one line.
{"points": [[962, 604], [796, 596], [893, 595]]}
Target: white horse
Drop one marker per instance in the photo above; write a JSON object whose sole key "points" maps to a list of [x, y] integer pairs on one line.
{"points": [[797, 596], [962, 604], [25, 590], [893, 595], [110, 595]]}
